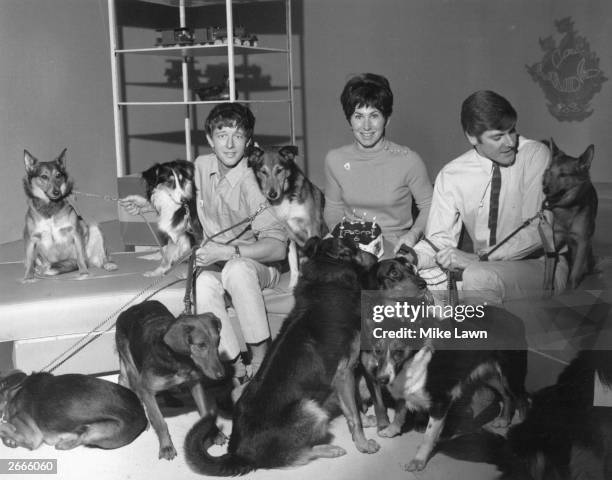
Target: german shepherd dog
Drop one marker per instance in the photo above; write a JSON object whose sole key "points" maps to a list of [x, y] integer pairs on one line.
{"points": [[294, 199], [431, 372], [571, 197], [57, 240], [170, 190], [158, 352], [283, 415], [67, 411], [563, 437]]}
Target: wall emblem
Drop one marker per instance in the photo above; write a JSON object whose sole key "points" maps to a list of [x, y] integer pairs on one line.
{"points": [[568, 73]]}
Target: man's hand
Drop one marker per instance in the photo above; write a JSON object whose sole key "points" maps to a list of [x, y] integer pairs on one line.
{"points": [[451, 258], [213, 253], [135, 204]]}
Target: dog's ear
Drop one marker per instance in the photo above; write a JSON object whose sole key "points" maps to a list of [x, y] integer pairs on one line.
{"points": [[288, 152], [30, 161], [212, 318], [62, 159], [587, 157], [255, 157], [150, 175], [311, 247], [552, 146], [177, 337]]}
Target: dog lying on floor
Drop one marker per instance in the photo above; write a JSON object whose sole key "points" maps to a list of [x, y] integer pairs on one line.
{"points": [[170, 190], [57, 240], [283, 415], [431, 371], [294, 199], [67, 411], [563, 437], [158, 352], [571, 197]]}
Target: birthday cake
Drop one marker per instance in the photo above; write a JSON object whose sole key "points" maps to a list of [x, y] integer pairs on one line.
{"points": [[366, 234]]}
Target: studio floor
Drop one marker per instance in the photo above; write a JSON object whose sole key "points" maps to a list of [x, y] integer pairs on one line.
{"points": [[138, 461]]}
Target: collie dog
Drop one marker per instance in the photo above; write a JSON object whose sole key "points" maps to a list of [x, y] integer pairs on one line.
{"points": [[294, 199]]}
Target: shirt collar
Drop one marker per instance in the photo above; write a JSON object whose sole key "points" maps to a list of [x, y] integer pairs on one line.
{"points": [[234, 175], [487, 164]]}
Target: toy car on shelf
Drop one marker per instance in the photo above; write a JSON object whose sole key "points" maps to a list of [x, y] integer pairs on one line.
{"points": [[204, 36]]}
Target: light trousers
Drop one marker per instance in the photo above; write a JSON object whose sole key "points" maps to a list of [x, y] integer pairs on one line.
{"points": [[244, 279]]}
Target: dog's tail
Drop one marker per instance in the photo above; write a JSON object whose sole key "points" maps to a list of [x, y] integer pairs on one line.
{"points": [[65, 266], [198, 441]]}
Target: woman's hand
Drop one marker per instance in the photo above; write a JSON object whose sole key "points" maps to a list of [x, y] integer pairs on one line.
{"points": [[409, 239]]}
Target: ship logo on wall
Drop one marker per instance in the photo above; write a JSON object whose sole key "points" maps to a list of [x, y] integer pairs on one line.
{"points": [[568, 73]]}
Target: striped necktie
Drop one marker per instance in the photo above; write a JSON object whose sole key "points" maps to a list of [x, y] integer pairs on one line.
{"points": [[494, 203]]}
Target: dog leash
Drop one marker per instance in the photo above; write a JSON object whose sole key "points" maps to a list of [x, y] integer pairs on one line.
{"points": [[96, 332], [452, 295], [191, 275], [112, 198]]}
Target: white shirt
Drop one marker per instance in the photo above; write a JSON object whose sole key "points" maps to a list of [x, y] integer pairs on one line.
{"points": [[461, 196]]}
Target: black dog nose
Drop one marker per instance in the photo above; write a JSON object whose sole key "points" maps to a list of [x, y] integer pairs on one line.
{"points": [[383, 379], [545, 190], [56, 192], [272, 195]]}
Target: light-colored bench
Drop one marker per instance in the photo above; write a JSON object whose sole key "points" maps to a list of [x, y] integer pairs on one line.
{"points": [[40, 321]]}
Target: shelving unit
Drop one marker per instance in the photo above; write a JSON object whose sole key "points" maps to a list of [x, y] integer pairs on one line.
{"points": [[226, 51]]}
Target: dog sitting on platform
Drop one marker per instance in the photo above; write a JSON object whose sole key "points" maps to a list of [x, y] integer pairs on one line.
{"points": [[571, 197], [170, 190], [57, 240], [67, 411], [294, 199], [158, 352]]}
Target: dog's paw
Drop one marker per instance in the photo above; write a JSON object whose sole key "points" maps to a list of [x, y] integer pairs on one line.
{"points": [[29, 280], [370, 446], [415, 465], [168, 452], [390, 431], [9, 442], [220, 438], [368, 421], [110, 266], [83, 275]]}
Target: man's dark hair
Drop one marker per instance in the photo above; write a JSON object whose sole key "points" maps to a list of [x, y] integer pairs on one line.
{"points": [[367, 90], [486, 110], [230, 115]]}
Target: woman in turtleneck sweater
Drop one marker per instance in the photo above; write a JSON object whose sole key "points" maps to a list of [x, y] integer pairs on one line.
{"points": [[374, 177]]}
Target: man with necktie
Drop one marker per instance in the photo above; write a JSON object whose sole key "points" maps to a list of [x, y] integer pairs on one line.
{"points": [[491, 190]]}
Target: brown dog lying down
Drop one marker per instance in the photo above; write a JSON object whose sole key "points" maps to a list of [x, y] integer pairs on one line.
{"points": [[67, 411], [158, 352]]}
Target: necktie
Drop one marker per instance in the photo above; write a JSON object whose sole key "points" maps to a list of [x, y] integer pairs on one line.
{"points": [[494, 203]]}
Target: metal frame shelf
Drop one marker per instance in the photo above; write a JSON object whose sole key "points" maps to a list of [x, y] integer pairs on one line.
{"points": [[228, 51]]}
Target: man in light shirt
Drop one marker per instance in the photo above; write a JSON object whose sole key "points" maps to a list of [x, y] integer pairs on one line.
{"points": [[502, 169]]}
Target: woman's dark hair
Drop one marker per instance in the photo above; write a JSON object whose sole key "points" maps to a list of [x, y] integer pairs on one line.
{"points": [[486, 110], [230, 115], [367, 90]]}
